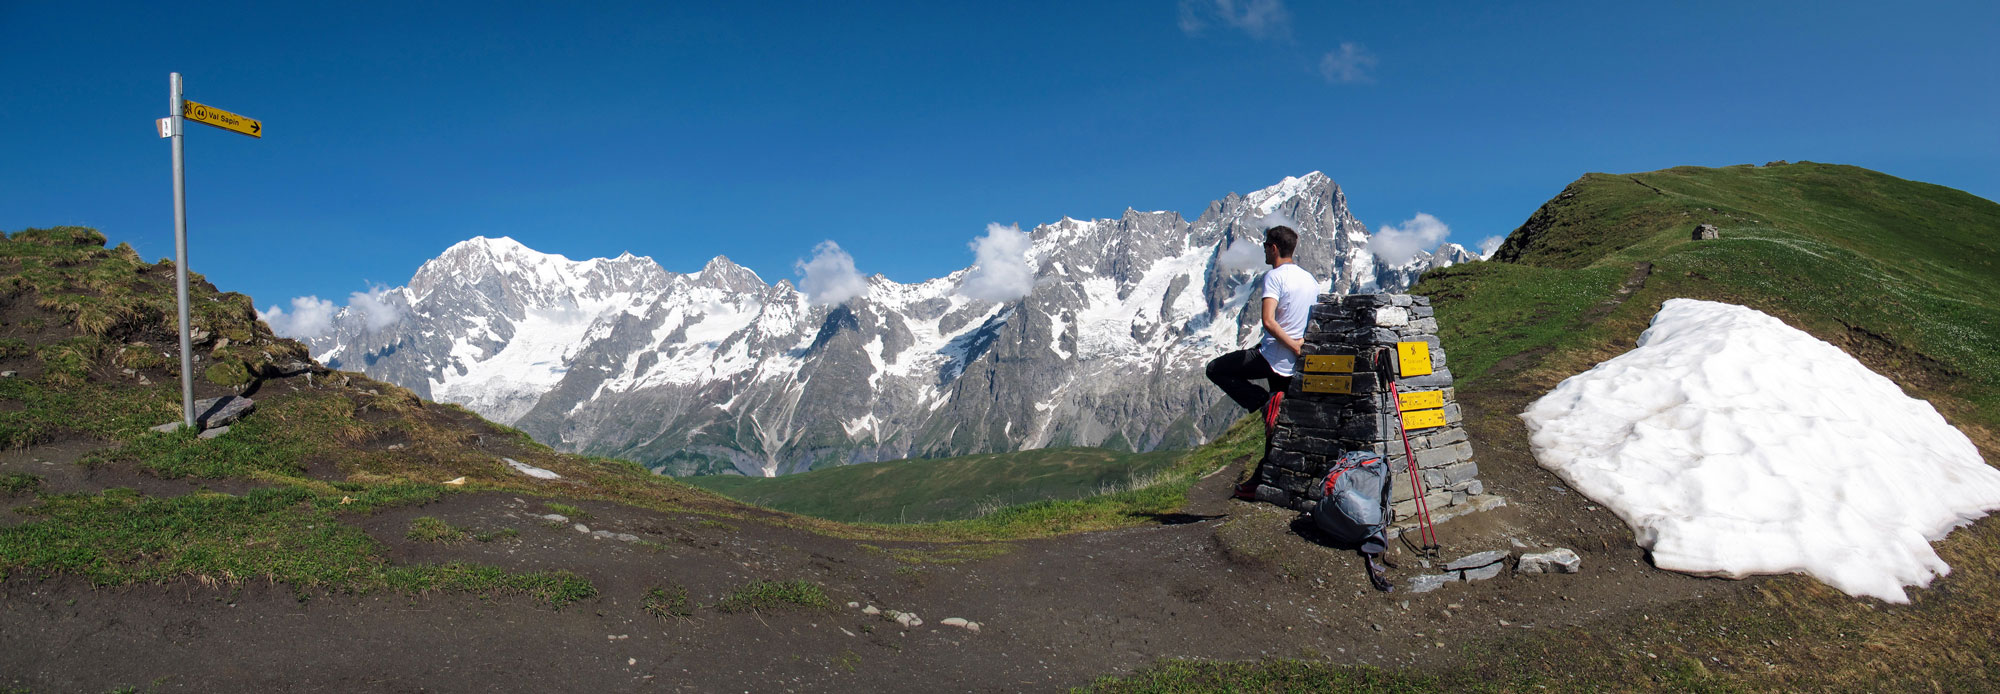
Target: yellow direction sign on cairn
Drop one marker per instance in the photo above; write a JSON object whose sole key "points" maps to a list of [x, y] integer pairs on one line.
{"points": [[1328, 383], [210, 115], [1338, 363]]}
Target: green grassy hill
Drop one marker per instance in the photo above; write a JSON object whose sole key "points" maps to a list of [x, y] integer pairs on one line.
{"points": [[1905, 275], [912, 491]]}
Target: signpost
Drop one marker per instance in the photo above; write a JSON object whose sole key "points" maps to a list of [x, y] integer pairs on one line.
{"points": [[179, 111], [210, 115]]}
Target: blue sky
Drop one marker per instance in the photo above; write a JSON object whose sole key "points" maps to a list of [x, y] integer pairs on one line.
{"points": [[757, 130]]}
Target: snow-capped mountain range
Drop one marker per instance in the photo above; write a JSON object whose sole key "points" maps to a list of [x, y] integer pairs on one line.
{"points": [[720, 371]]}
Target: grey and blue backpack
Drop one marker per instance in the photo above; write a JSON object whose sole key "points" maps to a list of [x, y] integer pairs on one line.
{"points": [[1353, 509]]}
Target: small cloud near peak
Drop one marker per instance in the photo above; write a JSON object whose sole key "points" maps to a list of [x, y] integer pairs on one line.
{"points": [[1348, 65], [1260, 19]]}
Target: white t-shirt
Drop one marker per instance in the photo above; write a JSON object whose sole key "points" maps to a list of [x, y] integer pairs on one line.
{"points": [[1296, 290]]}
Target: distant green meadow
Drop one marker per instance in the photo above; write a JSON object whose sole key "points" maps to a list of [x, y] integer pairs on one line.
{"points": [[965, 487]]}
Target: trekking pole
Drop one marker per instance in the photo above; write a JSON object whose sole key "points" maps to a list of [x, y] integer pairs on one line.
{"points": [[1426, 533]]}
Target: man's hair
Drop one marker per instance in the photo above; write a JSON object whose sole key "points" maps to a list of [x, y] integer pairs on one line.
{"points": [[1284, 238]]}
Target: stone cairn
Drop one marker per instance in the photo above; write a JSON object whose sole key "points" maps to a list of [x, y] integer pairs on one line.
{"points": [[1339, 402]]}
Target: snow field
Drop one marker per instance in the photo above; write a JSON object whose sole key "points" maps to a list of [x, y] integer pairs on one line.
{"points": [[1734, 444]]}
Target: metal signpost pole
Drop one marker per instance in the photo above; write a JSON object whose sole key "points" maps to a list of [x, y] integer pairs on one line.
{"points": [[181, 249]]}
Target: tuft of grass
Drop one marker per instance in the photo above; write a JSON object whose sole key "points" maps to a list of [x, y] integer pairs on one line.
{"points": [[572, 512], [761, 595], [272, 442], [667, 602], [493, 535], [285, 534], [92, 409], [946, 554], [432, 529], [14, 483], [1270, 675]]}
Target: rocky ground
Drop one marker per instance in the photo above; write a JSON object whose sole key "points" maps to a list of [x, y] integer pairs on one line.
{"points": [[1221, 579]]}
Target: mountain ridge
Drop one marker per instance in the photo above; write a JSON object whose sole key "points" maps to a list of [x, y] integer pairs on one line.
{"points": [[718, 370]]}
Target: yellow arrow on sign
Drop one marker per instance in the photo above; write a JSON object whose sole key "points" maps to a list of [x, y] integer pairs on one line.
{"points": [[210, 115]]}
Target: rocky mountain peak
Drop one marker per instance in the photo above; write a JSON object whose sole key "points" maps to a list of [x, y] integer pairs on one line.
{"points": [[723, 273], [718, 371]]}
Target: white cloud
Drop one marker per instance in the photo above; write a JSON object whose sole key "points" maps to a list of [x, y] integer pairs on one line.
{"points": [[1000, 270], [1277, 218], [310, 317], [1242, 254], [1261, 19], [1490, 244], [376, 312], [1395, 245], [830, 278], [1349, 65]]}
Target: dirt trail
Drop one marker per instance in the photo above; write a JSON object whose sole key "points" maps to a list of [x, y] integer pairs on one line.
{"points": [[1223, 579]]}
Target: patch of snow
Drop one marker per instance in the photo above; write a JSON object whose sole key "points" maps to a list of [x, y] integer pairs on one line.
{"points": [[1734, 444], [874, 351], [531, 470]]}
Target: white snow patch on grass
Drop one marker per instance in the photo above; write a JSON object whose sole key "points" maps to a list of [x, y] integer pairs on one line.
{"points": [[1734, 444], [530, 470]]}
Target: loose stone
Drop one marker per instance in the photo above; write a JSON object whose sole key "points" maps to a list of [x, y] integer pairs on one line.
{"points": [[1558, 560]]}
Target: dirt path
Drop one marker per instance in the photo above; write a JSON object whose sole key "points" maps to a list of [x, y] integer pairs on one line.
{"points": [[1225, 580]]}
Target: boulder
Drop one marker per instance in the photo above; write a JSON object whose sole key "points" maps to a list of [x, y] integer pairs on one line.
{"points": [[1555, 561], [1707, 232]]}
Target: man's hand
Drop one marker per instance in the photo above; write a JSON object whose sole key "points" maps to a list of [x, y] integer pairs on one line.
{"points": [[1271, 327]]}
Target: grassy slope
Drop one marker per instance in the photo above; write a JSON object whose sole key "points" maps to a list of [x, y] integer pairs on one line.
{"points": [[943, 489], [75, 316], [1906, 271], [1901, 274]]}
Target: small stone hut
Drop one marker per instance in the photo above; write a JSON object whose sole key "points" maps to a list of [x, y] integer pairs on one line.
{"points": [[1356, 347]]}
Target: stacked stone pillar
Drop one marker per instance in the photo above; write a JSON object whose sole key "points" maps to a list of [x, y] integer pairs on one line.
{"points": [[1340, 401]]}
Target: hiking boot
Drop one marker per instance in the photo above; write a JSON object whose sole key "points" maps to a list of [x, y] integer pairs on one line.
{"points": [[1271, 410]]}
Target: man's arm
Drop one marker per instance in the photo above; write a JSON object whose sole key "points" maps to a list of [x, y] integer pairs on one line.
{"points": [[1271, 326]]}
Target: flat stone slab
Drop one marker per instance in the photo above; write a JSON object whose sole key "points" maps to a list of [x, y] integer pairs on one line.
{"points": [[1484, 572], [212, 433], [223, 411], [1474, 561], [1429, 582]]}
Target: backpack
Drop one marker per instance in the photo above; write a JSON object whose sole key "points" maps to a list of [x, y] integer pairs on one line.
{"points": [[1354, 507]]}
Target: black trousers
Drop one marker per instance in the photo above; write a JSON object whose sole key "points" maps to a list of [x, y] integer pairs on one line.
{"points": [[1233, 373]]}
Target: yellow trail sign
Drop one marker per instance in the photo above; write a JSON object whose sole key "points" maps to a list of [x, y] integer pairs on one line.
{"points": [[1423, 419], [210, 115], [1423, 400], [1328, 383], [1342, 363]]}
